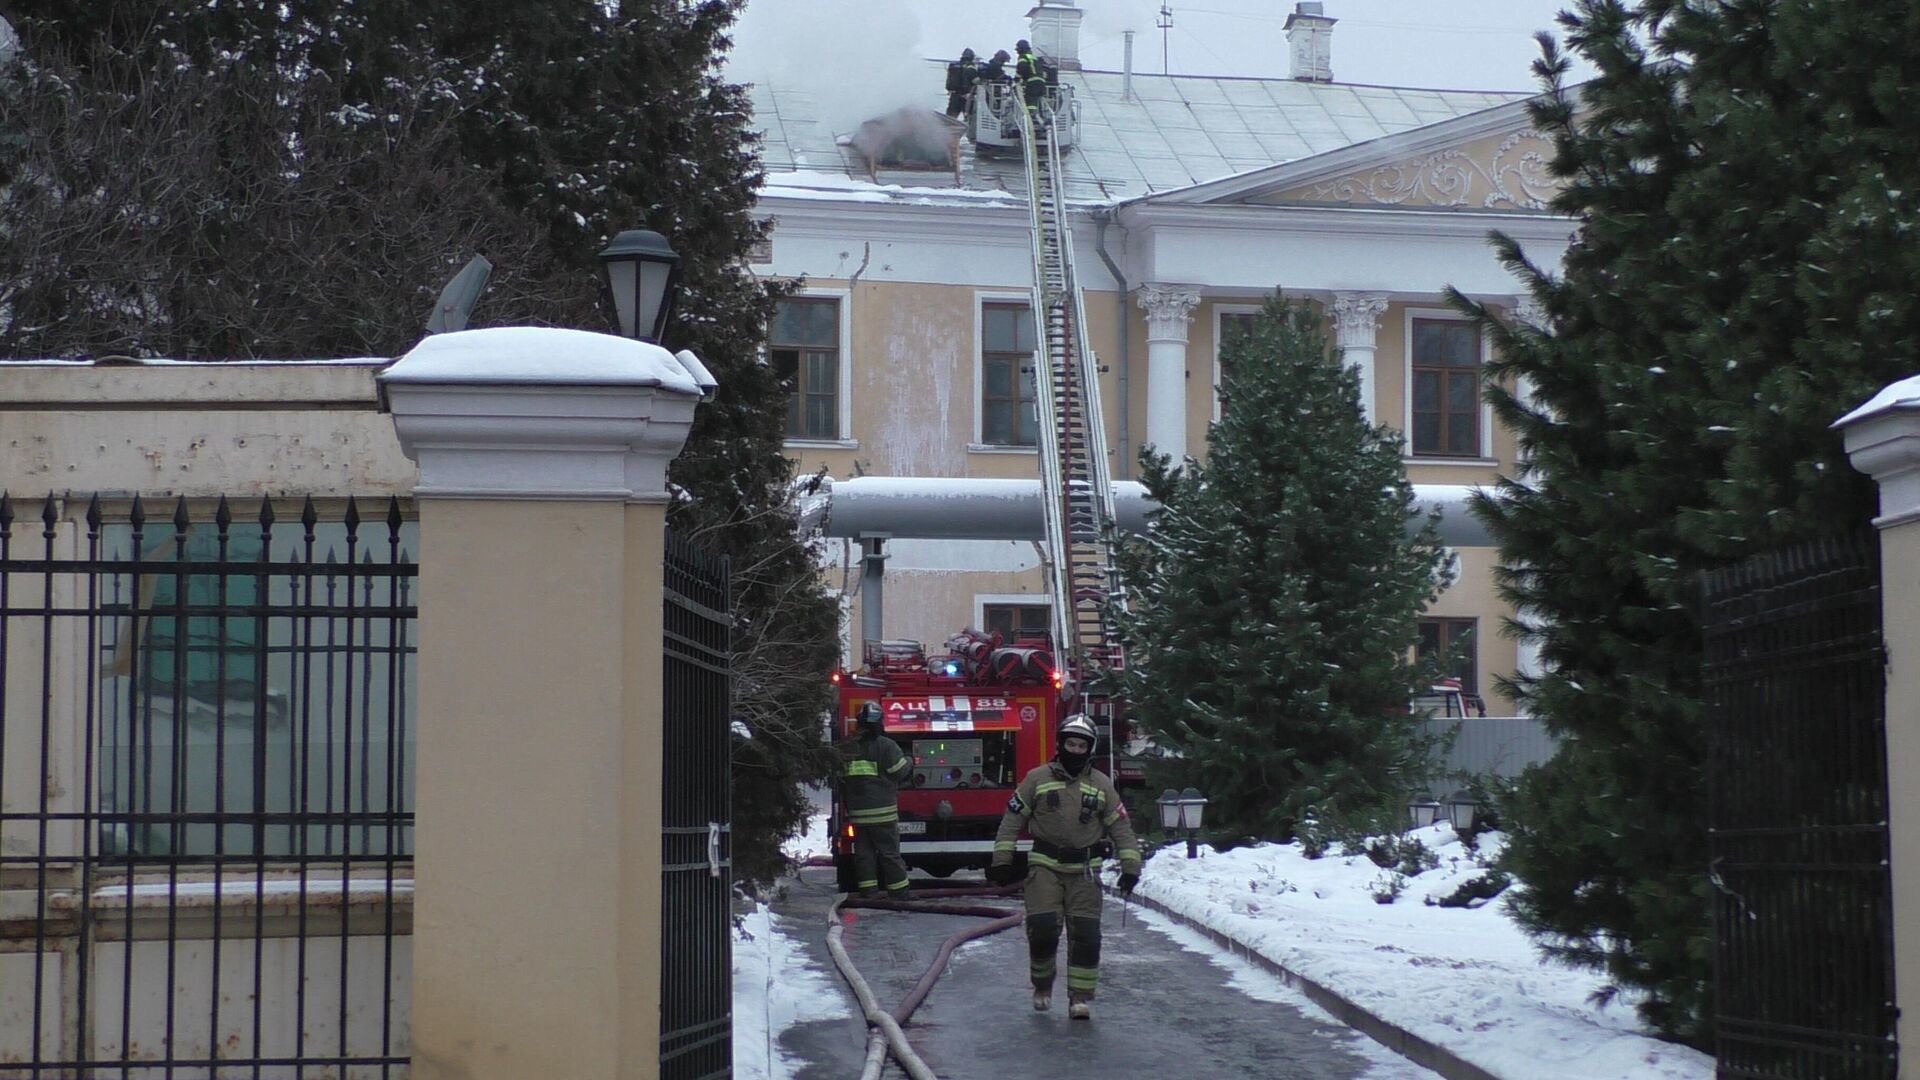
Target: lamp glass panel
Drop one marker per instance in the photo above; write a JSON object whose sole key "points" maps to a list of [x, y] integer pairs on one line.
{"points": [[652, 294], [620, 279]]}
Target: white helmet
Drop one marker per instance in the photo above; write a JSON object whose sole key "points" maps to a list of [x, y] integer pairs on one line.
{"points": [[1077, 724]]}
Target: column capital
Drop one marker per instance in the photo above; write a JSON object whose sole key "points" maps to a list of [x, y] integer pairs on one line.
{"points": [[1169, 310], [1356, 318], [1524, 308], [523, 412], [1883, 441]]}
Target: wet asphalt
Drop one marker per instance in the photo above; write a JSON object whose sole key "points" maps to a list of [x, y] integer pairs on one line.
{"points": [[1163, 1012]]}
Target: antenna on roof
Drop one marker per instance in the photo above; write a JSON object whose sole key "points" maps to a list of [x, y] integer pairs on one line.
{"points": [[1165, 23]]}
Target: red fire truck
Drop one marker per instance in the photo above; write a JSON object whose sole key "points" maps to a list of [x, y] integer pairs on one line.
{"points": [[972, 722]]}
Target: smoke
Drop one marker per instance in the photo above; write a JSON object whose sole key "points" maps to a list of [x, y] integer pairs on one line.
{"points": [[856, 58]]}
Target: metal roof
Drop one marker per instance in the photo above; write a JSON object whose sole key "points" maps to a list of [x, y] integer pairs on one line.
{"points": [[1177, 130]]}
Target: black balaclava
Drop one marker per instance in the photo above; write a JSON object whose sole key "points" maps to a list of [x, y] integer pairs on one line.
{"points": [[1073, 763]]}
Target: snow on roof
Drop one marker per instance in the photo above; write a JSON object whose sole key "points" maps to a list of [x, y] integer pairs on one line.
{"points": [[1177, 130], [1894, 397], [540, 354]]}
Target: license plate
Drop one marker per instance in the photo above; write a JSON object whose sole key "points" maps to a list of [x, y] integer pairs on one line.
{"points": [[912, 827]]}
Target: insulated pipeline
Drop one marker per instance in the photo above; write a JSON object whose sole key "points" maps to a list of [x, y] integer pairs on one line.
{"points": [[886, 1035]]}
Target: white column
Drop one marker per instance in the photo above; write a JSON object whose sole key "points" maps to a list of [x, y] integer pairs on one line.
{"points": [[1169, 310], [1356, 327]]}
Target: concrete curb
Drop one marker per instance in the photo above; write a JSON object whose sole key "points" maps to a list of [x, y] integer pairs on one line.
{"points": [[1388, 1034]]}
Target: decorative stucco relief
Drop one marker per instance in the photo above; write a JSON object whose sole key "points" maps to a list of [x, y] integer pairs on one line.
{"points": [[1512, 176]]}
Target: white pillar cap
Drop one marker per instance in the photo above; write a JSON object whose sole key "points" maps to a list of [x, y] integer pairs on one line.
{"points": [[1883, 441], [523, 412]]}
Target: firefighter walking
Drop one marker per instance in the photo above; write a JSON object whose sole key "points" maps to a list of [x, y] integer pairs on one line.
{"points": [[1066, 806], [871, 766]]}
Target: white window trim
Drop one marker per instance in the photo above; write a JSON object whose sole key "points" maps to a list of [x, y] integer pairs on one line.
{"points": [[1485, 455], [980, 445], [981, 600], [1220, 310], [846, 441]]}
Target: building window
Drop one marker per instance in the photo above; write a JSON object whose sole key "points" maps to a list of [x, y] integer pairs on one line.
{"points": [[1015, 621], [1443, 638], [1008, 416], [1446, 388], [804, 345]]}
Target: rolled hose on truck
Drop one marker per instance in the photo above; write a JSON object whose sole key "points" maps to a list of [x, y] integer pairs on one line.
{"points": [[885, 1035]]}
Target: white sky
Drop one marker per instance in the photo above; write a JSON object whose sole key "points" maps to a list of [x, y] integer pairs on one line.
{"points": [[1446, 44]]}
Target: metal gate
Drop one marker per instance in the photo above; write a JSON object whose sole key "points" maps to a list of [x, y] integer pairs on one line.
{"points": [[696, 950], [206, 763], [1797, 793]]}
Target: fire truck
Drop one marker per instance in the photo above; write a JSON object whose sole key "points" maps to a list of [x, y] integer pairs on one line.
{"points": [[972, 722]]}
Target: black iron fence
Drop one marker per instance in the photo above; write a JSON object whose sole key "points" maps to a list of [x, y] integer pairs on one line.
{"points": [[696, 969], [1795, 694], [206, 744]]}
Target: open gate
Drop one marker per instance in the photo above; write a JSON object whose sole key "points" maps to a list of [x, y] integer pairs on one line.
{"points": [[1797, 794], [696, 969]]}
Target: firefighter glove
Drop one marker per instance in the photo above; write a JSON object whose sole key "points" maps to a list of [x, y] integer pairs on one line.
{"points": [[1003, 873], [1127, 882]]}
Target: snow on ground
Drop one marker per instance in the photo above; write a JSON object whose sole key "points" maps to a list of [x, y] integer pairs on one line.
{"points": [[775, 987], [1466, 979]]}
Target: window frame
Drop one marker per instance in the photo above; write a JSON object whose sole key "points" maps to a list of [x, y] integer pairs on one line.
{"points": [[983, 601], [1221, 312], [1450, 625], [1482, 453], [843, 391], [980, 445]]}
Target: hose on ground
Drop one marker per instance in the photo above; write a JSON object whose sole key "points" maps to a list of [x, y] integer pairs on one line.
{"points": [[885, 1034]]}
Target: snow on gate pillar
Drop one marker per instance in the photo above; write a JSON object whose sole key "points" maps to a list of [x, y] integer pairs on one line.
{"points": [[1883, 441], [542, 500]]}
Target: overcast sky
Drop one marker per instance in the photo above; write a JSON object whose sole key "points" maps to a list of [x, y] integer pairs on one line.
{"points": [[1449, 44]]}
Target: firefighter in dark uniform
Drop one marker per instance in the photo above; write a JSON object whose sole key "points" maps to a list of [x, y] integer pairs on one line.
{"points": [[961, 75], [1066, 806], [1032, 77], [995, 69], [871, 766]]}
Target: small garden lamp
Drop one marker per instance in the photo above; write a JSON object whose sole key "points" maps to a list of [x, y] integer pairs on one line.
{"points": [[1192, 806], [1460, 811], [1423, 813], [639, 266], [1169, 804]]}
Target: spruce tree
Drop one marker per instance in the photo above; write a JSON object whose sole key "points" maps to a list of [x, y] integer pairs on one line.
{"points": [[1743, 274], [553, 126], [1275, 598]]}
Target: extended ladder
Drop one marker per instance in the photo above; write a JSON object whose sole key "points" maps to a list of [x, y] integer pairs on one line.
{"points": [[1076, 494]]}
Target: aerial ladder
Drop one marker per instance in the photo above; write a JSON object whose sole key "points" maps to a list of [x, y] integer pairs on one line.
{"points": [[1076, 490]]}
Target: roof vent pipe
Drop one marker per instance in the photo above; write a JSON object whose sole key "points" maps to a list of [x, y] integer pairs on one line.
{"points": [[1054, 28], [1310, 42], [1126, 66]]}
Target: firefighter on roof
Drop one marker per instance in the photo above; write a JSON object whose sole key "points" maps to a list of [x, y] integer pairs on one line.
{"points": [[1066, 806], [961, 75], [871, 766], [1032, 76]]}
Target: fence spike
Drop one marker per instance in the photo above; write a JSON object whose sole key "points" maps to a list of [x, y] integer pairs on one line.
{"points": [[49, 516], [181, 520], [93, 517], [266, 513], [309, 517], [6, 513], [352, 517], [223, 516], [137, 516], [393, 518]]}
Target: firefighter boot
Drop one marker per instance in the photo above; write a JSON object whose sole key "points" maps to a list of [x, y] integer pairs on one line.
{"points": [[1042, 998], [1079, 1006]]}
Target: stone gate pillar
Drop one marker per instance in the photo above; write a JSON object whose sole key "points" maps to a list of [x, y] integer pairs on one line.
{"points": [[1883, 441], [542, 500]]}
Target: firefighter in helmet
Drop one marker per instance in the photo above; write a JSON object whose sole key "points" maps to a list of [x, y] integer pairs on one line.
{"points": [[961, 75], [1067, 806], [1032, 76], [871, 766]]}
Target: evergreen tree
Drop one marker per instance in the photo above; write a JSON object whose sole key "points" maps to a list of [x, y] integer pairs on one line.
{"points": [[554, 126], [1743, 274], [1276, 594]]}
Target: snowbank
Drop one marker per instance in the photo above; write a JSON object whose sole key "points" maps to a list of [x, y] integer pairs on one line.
{"points": [[1466, 979], [775, 987]]}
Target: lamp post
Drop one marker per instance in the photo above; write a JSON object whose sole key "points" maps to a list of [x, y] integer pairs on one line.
{"points": [[1192, 806], [1423, 813], [1460, 811], [639, 265]]}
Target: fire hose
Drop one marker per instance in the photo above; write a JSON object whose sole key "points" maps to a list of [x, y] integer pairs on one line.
{"points": [[885, 1035]]}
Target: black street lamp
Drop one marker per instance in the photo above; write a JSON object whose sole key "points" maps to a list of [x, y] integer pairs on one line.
{"points": [[1183, 811], [1460, 811], [639, 266], [1423, 813]]}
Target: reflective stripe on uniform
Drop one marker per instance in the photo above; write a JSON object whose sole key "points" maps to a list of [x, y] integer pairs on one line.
{"points": [[862, 768], [1051, 863], [874, 884], [1090, 789], [1127, 855], [885, 815], [898, 765], [1082, 978], [1049, 785], [1111, 818], [898, 885]]}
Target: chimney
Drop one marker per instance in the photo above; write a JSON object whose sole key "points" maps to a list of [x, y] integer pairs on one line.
{"points": [[1310, 42], [1126, 68], [1054, 28]]}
